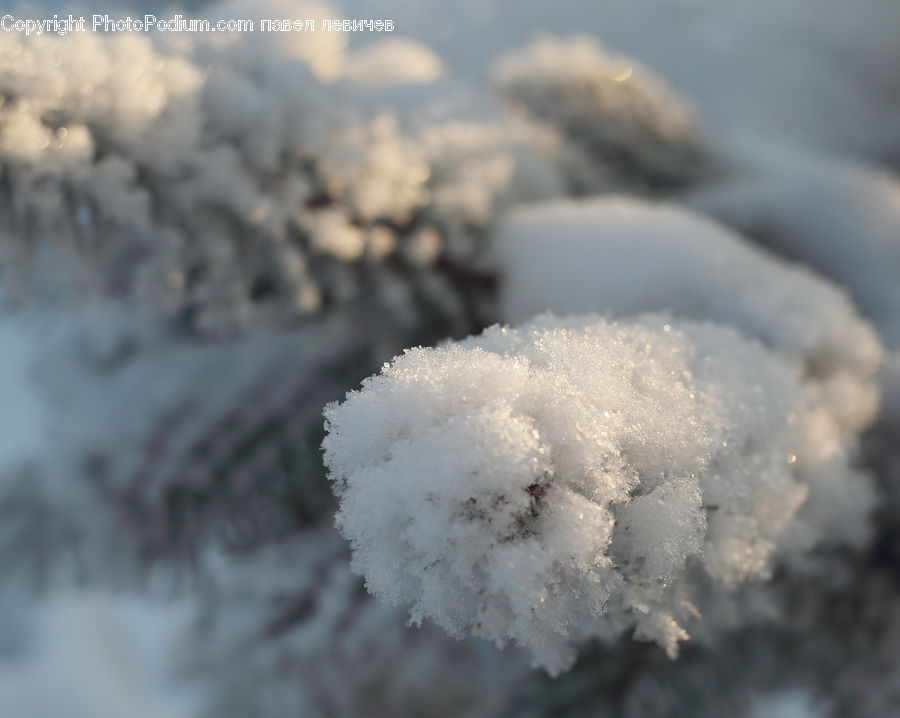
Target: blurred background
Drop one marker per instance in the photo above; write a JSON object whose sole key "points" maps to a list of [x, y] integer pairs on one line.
{"points": [[207, 237]]}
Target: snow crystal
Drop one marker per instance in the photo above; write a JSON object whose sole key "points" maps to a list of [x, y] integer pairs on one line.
{"points": [[563, 479]]}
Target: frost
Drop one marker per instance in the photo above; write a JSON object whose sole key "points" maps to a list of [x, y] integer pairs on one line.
{"points": [[228, 183], [839, 216], [319, 627], [208, 236], [609, 106], [564, 479], [321, 51], [106, 654], [625, 256], [396, 61]]}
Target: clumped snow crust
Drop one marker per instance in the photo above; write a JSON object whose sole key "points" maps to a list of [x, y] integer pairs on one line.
{"points": [[239, 205], [579, 477]]}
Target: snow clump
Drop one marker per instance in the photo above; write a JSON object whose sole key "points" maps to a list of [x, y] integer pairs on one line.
{"points": [[579, 477]]}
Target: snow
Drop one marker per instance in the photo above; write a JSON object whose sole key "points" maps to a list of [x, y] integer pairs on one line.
{"points": [[811, 72], [97, 655], [623, 256], [839, 216], [21, 426], [554, 481], [320, 628], [391, 62], [270, 216], [795, 703], [613, 110], [235, 183]]}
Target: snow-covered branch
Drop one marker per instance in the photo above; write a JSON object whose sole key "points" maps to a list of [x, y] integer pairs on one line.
{"points": [[577, 477]]}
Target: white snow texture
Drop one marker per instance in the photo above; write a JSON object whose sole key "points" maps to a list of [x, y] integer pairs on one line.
{"points": [[577, 477]]}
